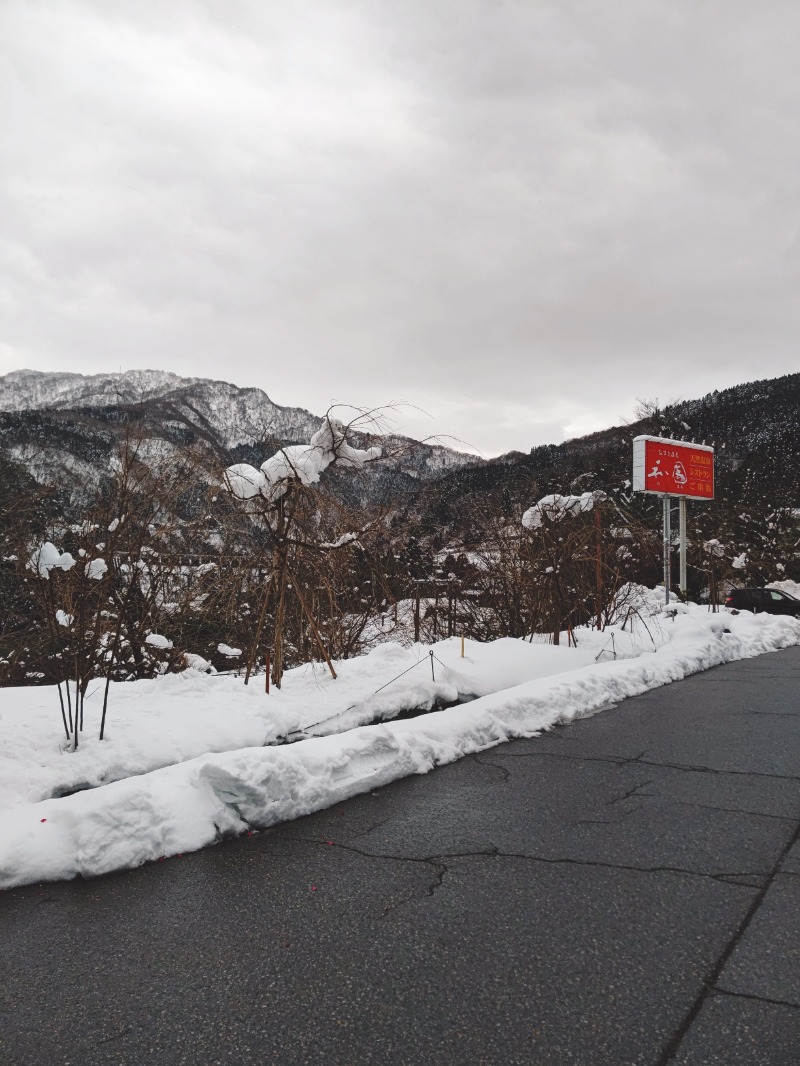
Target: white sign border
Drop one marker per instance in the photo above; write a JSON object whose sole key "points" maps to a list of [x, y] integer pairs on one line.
{"points": [[639, 470]]}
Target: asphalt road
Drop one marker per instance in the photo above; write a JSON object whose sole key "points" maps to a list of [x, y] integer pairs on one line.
{"points": [[622, 890]]}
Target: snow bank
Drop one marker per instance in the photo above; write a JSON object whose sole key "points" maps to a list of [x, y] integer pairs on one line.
{"points": [[174, 718], [184, 807]]}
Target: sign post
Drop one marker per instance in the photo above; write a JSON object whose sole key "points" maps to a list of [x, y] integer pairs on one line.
{"points": [[666, 527], [670, 468], [682, 540]]}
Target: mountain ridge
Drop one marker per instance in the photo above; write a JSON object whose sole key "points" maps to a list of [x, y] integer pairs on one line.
{"points": [[59, 424]]}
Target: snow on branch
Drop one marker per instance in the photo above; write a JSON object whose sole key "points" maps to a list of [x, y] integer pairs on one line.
{"points": [[713, 548], [554, 508], [340, 542], [96, 568], [301, 462], [47, 558]]}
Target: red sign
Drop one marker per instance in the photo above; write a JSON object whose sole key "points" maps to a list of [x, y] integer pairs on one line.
{"points": [[676, 468]]}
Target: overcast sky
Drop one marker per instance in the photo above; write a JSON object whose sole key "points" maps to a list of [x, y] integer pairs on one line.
{"points": [[517, 216]]}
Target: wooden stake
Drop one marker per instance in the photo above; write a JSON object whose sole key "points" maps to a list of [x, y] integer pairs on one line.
{"points": [[462, 645], [266, 663]]}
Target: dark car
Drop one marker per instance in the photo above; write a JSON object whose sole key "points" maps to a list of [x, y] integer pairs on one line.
{"points": [[769, 601]]}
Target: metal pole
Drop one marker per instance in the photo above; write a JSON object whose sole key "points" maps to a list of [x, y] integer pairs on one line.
{"points": [[667, 538], [682, 529], [598, 564]]}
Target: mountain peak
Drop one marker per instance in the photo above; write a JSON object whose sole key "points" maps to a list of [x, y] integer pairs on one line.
{"points": [[23, 390]]}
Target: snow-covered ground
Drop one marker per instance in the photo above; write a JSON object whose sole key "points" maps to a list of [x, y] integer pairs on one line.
{"points": [[177, 717], [192, 757]]}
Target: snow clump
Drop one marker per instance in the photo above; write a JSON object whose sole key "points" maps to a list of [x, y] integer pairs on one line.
{"points": [[47, 558], [302, 462], [96, 569], [228, 652], [155, 640], [556, 507], [713, 547]]}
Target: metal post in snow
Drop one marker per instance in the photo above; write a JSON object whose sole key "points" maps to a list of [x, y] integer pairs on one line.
{"points": [[667, 538], [598, 563], [682, 533]]}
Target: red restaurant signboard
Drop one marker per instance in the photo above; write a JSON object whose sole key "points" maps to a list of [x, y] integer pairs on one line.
{"points": [[674, 467]]}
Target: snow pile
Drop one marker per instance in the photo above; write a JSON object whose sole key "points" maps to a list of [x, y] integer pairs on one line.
{"points": [[154, 722], [554, 508], [304, 462], [156, 640], [528, 688], [47, 558], [96, 568]]}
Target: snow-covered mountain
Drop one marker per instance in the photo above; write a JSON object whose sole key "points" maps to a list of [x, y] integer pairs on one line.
{"points": [[58, 423], [236, 416], [25, 390]]}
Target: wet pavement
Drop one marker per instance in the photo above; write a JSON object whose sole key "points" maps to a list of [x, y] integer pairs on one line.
{"points": [[625, 889]]}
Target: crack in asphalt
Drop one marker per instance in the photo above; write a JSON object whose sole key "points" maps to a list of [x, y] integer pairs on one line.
{"points": [[116, 1036], [736, 810], [635, 790], [688, 767], [488, 762], [710, 982], [372, 828], [739, 879], [766, 714], [608, 821], [440, 864], [759, 999], [632, 792]]}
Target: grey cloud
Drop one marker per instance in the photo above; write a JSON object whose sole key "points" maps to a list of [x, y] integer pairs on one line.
{"points": [[517, 216]]}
